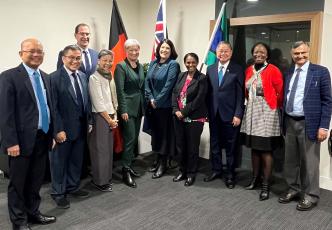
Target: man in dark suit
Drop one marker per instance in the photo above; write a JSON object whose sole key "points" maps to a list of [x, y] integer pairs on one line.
{"points": [[72, 109], [88, 66], [225, 109], [25, 124], [89, 56], [307, 114]]}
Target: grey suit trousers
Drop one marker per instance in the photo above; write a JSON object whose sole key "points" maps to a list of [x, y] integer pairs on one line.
{"points": [[302, 157]]}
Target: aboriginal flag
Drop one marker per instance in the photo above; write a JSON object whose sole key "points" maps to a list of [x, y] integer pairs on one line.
{"points": [[118, 36]]}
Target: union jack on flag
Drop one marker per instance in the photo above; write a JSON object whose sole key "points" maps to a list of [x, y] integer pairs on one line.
{"points": [[161, 30]]}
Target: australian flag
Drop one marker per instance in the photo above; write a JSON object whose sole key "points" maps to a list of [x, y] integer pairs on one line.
{"points": [[161, 30]]}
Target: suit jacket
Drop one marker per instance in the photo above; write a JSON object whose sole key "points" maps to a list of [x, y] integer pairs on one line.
{"points": [[94, 61], [67, 112], [19, 110], [196, 95], [228, 98], [317, 101], [129, 89], [159, 84]]}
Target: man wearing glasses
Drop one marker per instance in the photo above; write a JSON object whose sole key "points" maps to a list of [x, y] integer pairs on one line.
{"points": [[26, 118], [89, 56], [72, 109]]}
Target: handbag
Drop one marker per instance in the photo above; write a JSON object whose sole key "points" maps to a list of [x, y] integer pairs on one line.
{"points": [[117, 140]]}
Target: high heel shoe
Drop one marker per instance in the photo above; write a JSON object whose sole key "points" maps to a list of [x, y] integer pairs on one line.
{"points": [[265, 192], [127, 179], [160, 171], [253, 183]]}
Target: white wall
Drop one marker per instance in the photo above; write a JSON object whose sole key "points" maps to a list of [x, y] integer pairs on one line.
{"points": [[326, 57]]}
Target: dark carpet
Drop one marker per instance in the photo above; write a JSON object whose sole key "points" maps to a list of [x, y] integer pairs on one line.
{"points": [[162, 204]]}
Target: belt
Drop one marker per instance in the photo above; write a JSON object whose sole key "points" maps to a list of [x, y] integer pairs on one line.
{"points": [[300, 118]]}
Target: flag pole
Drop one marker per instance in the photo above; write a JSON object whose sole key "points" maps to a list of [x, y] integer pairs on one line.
{"points": [[221, 12]]}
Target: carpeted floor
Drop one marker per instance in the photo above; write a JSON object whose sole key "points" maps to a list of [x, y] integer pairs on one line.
{"points": [[162, 204]]}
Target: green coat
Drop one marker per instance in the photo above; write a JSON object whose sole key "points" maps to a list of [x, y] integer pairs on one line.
{"points": [[130, 89]]}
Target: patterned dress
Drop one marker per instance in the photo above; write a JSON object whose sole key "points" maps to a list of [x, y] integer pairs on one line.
{"points": [[260, 128]]}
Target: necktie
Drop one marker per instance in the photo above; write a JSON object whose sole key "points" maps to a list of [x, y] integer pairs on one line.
{"points": [[87, 63], [290, 103], [78, 94], [220, 74], [41, 102]]}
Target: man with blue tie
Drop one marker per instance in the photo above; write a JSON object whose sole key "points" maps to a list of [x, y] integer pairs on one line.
{"points": [[225, 109], [89, 56], [26, 118], [72, 112], [307, 114]]}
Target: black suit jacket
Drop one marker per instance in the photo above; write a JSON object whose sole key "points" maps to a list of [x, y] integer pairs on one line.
{"points": [[19, 110], [228, 98], [67, 113], [196, 95]]}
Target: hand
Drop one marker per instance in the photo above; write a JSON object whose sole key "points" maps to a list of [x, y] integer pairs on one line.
{"points": [[153, 105], [236, 121], [113, 123], [125, 116], [179, 115], [321, 134], [61, 137], [13, 151]]}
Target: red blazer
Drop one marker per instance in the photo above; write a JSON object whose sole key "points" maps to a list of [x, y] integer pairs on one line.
{"points": [[272, 81]]}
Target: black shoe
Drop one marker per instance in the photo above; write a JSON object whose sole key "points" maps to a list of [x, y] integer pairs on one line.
{"points": [[230, 183], [179, 177], [160, 171], [133, 172], [253, 183], [127, 179], [265, 192], [42, 219], [288, 197], [212, 177], [21, 227], [154, 166], [62, 203], [305, 205], [80, 193], [103, 188], [189, 181]]}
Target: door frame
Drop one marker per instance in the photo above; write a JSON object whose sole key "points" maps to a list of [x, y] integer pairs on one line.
{"points": [[316, 26]]}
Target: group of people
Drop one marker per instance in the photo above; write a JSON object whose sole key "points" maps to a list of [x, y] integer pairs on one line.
{"points": [[82, 103]]}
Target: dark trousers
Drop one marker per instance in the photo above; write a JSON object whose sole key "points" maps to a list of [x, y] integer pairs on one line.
{"points": [[130, 133], [26, 174], [162, 132], [302, 158], [223, 136], [66, 164], [187, 140]]}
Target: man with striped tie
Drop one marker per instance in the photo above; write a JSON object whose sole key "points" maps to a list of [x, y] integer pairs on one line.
{"points": [[25, 125]]}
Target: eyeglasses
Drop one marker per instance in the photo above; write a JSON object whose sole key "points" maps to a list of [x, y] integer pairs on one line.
{"points": [[72, 58], [39, 52]]}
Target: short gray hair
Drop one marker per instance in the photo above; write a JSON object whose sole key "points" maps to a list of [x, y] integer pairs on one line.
{"points": [[105, 52], [225, 43], [131, 42], [299, 43]]}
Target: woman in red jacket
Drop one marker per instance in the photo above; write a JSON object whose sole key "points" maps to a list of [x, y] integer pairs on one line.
{"points": [[261, 124]]}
